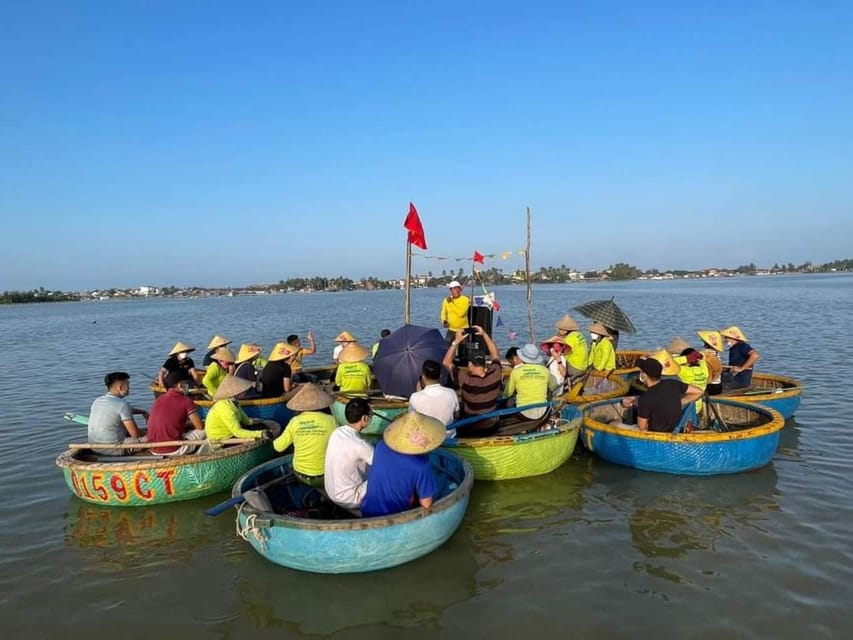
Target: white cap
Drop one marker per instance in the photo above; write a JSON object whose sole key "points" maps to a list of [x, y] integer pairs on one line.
{"points": [[454, 283]]}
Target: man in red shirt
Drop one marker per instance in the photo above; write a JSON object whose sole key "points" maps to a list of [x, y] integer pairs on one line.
{"points": [[169, 415]]}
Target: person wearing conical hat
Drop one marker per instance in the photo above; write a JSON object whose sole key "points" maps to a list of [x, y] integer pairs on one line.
{"points": [[602, 355], [216, 342], [277, 376], [179, 360], [713, 347], [693, 369], [530, 382], [309, 433], [245, 366], [221, 364], [401, 476], [575, 350], [454, 310], [353, 376], [555, 361], [226, 419], [343, 339], [742, 357], [660, 407]]}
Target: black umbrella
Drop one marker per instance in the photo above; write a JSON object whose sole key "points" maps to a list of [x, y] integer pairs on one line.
{"points": [[401, 356], [607, 313]]}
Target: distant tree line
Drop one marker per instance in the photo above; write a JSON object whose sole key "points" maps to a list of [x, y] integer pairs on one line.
{"points": [[36, 295]]}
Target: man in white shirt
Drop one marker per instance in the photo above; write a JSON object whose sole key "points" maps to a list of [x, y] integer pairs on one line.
{"points": [[434, 400], [348, 458]]}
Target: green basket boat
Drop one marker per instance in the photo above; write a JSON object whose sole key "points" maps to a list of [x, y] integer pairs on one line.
{"points": [[158, 480], [384, 411]]}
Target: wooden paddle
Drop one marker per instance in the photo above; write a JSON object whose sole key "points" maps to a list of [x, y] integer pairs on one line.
{"points": [[758, 392], [152, 445], [493, 414], [233, 502]]}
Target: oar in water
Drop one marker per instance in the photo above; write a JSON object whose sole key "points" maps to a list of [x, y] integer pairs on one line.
{"points": [[233, 502], [495, 414], [77, 418], [155, 445]]}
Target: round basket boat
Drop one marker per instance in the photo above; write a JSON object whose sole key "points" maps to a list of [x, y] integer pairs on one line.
{"points": [[522, 455], [142, 482], [749, 444], [350, 544], [597, 388]]}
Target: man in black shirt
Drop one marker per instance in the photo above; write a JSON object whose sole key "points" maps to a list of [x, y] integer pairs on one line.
{"points": [[660, 408]]}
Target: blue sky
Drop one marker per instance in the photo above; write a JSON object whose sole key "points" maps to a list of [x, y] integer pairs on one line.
{"points": [[227, 143]]}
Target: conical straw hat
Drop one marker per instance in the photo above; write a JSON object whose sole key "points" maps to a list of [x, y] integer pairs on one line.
{"points": [[223, 354], [248, 352], [677, 345], [713, 339], [218, 341], [345, 336], [669, 365], [734, 333], [181, 348], [600, 329], [281, 351], [567, 323], [353, 352], [231, 386], [553, 340], [310, 397], [414, 433]]}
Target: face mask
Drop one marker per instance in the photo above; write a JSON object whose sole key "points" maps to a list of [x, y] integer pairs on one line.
{"points": [[643, 380], [594, 337], [182, 356], [730, 344]]}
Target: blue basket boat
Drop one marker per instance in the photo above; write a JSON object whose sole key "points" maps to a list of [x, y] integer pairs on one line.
{"points": [[351, 544], [749, 444]]}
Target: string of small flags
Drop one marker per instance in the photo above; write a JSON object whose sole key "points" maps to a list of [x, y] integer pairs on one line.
{"points": [[477, 257]]}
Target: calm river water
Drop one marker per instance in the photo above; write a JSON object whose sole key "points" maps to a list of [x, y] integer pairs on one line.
{"points": [[592, 550]]}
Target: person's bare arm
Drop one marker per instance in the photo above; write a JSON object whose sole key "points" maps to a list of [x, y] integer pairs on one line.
{"points": [[132, 429], [751, 359], [312, 347], [692, 395], [451, 352], [643, 424], [195, 421], [494, 355], [287, 383]]}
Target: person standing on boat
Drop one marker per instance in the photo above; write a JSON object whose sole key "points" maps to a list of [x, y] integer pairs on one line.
{"points": [[309, 433], [454, 310], [348, 458], [602, 355], [111, 417], [479, 386], [433, 399], [169, 416], [226, 419], [277, 376], [742, 357], [714, 346], [344, 339], [353, 376], [220, 366], [382, 335], [530, 382], [299, 352], [660, 407], [179, 361], [401, 476], [216, 342]]}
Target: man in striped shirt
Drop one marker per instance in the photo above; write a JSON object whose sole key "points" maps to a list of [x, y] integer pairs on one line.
{"points": [[480, 384]]}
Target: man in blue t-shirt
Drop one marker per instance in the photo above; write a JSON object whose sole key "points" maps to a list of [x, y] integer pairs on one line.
{"points": [[401, 477], [742, 357]]}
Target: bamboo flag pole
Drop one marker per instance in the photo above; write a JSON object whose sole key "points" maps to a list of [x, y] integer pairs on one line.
{"points": [[407, 310], [530, 328]]}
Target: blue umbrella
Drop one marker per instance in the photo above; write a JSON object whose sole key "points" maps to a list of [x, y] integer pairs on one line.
{"points": [[397, 365]]}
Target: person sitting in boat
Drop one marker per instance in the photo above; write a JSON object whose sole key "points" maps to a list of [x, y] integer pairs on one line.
{"points": [[454, 310], [277, 376], [530, 382], [111, 417], [220, 366], [382, 335], [179, 361], [401, 477], [353, 376], [511, 356], [693, 369], [309, 433], [169, 416], [245, 364], [300, 352], [555, 361], [216, 342], [226, 419], [713, 344], [348, 458], [479, 386], [433, 399], [742, 357], [575, 350], [602, 355], [344, 339], [660, 407]]}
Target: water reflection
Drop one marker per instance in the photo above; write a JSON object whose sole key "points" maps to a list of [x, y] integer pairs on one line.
{"points": [[412, 595]]}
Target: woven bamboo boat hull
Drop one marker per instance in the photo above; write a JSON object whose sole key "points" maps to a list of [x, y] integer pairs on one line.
{"points": [[519, 456], [597, 388], [159, 480], [261, 408], [360, 544], [385, 410], [697, 453]]}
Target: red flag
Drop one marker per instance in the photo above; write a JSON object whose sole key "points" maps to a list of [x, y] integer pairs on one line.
{"points": [[479, 257], [416, 229]]}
